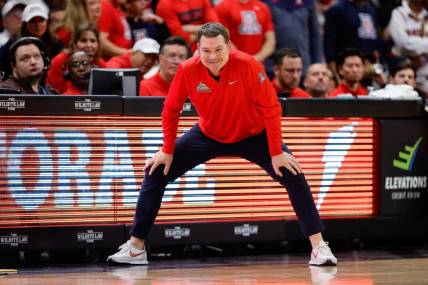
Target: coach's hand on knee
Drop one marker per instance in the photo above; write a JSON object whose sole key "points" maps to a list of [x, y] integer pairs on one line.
{"points": [[285, 160], [158, 159]]}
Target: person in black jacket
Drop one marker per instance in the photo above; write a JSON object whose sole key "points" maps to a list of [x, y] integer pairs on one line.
{"points": [[28, 62]]}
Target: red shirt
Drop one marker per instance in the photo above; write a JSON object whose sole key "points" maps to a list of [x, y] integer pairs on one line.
{"points": [[58, 69], [179, 13], [113, 21], [342, 88], [240, 105], [120, 61], [246, 22], [64, 35], [299, 93], [294, 93], [154, 86], [73, 90]]}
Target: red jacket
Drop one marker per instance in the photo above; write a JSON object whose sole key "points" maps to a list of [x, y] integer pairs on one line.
{"points": [[294, 93], [120, 61], [73, 90], [58, 69], [179, 13], [113, 21], [342, 88], [154, 86], [246, 33], [240, 105]]}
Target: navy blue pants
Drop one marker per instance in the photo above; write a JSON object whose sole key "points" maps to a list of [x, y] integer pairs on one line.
{"points": [[194, 148]]}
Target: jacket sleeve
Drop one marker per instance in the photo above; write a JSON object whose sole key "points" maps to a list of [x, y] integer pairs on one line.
{"points": [[171, 110], [267, 103]]}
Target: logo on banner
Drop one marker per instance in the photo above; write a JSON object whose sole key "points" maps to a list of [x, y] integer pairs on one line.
{"points": [[89, 236], [13, 239], [407, 157], [177, 233], [11, 104], [338, 144], [246, 230], [87, 105], [407, 187]]}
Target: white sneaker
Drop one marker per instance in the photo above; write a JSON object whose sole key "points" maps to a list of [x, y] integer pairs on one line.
{"points": [[322, 255], [129, 254]]}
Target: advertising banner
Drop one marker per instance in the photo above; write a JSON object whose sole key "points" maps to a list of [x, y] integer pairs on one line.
{"points": [[61, 170], [404, 167]]}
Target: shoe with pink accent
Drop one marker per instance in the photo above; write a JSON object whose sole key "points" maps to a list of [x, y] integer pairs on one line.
{"points": [[321, 255], [129, 254]]}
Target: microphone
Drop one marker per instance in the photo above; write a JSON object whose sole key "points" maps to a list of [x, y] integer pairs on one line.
{"points": [[3, 75]]}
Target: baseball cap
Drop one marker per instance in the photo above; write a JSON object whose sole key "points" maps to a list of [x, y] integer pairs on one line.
{"points": [[35, 10], [9, 5], [146, 45]]}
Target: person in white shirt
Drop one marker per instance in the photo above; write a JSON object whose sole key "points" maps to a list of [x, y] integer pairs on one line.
{"points": [[409, 30], [11, 20]]}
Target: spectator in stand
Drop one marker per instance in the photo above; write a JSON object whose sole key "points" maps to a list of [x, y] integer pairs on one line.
{"points": [[115, 34], [144, 55], [79, 69], [141, 20], [402, 82], [250, 26], [316, 80], [184, 18], [35, 24], [351, 71], [296, 26], [77, 12], [409, 31], [29, 61], [288, 72], [86, 38], [11, 20], [350, 23], [174, 51], [403, 72]]}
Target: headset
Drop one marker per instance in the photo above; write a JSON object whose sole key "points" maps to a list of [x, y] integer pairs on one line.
{"points": [[26, 41]]}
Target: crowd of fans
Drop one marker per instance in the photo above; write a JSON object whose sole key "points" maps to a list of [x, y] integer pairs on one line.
{"points": [[309, 48]]}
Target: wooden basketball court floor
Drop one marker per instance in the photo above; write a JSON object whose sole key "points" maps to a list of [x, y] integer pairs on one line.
{"points": [[363, 267]]}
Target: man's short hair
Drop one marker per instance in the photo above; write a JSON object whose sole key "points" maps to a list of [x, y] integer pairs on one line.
{"points": [[28, 41], [212, 30], [176, 40], [347, 52], [401, 64], [284, 52]]}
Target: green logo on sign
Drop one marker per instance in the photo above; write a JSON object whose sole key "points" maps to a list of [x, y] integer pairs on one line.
{"points": [[407, 156]]}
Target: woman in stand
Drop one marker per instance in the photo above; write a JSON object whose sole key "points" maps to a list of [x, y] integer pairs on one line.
{"points": [[86, 38]]}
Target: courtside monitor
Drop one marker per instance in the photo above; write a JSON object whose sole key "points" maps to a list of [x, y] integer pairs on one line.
{"points": [[114, 81]]}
